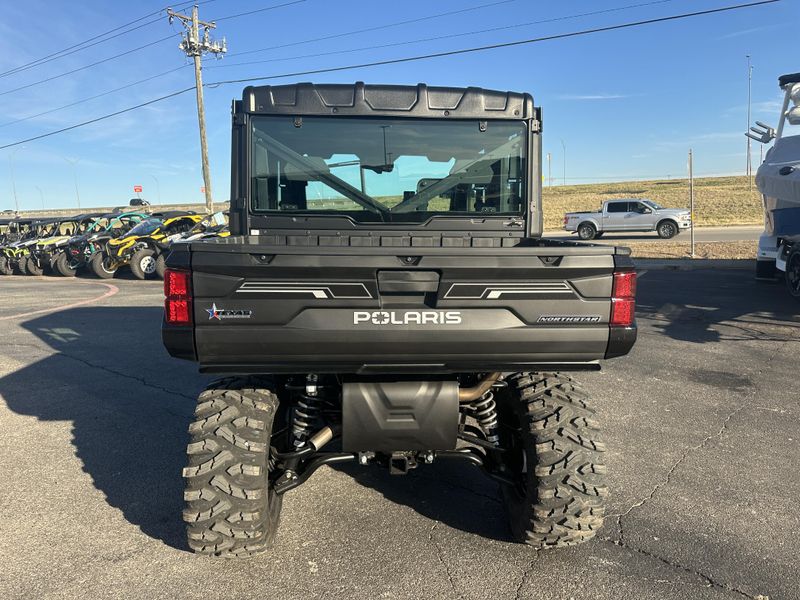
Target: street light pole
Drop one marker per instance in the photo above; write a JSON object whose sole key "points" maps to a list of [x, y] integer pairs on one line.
{"points": [[549, 170], [13, 180], [74, 162], [749, 104], [564, 147], [41, 195], [158, 187]]}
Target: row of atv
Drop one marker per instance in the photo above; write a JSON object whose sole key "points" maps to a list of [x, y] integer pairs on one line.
{"points": [[103, 243]]}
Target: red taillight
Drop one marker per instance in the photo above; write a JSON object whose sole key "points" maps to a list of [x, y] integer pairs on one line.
{"points": [[566, 219], [178, 312], [176, 283], [624, 284], [178, 292], [623, 299]]}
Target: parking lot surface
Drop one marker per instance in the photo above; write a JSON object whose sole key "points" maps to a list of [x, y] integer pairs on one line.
{"points": [[701, 421]]}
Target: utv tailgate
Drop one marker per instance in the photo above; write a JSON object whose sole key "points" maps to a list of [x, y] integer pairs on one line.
{"points": [[289, 309]]}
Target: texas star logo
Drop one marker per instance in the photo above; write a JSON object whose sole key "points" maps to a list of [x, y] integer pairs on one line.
{"points": [[221, 313]]}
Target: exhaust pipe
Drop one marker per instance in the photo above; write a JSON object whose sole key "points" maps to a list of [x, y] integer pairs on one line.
{"points": [[473, 393]]}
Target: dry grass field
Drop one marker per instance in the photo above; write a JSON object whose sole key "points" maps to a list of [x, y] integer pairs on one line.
{"points": [[718, 200], [681, 248]]}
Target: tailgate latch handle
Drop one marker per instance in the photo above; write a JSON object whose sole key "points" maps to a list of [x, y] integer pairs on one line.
{"points": [[407, 282]]}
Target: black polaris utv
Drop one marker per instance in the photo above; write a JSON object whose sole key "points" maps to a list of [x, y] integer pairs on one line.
{"points": [[386, 298]]}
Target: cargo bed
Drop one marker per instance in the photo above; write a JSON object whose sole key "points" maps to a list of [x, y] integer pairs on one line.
{"points": [[295, 305]]}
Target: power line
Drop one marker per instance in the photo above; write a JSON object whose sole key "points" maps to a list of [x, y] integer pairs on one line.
{"points": [[127, 86], [86, 43], [409, 59], [376, 28], [258, 10], [84, 67], [101, 118], [73, 50], [444, 37], [504, 44], [127, 52]]}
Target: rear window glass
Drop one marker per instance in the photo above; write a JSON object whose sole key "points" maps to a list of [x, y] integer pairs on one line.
{"points": [[617, 207]]}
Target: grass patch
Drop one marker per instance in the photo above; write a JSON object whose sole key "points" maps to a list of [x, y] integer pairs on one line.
{"points": [[682, 249], [717, 200]]}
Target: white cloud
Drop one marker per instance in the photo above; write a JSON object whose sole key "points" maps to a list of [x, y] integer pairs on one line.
{"points": [[752, 30]]}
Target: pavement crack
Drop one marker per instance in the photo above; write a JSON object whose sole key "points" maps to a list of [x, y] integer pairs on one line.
{"points": [[441, 560], [525, 574], [710, 581], [140, 380], [684, 455], [460, 487]]}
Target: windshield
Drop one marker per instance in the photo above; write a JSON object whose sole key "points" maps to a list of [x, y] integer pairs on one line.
{"points": [[653, 205], [384, 170], [146, 227], [98, 224]]}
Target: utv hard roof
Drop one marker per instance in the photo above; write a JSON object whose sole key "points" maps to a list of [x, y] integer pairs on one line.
{"points": [[86, 216], [171, 214], [360, 100], [789, 78]]}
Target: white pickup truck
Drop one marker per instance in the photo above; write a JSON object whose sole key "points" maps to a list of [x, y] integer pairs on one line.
{"points": [[628, 214]]}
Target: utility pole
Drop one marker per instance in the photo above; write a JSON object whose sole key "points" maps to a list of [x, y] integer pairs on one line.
{"points": [[13, 179], [691, 200], [749, 104], [74, 163], [41, 195], [564, 146], [549, 170], [195, 46]]}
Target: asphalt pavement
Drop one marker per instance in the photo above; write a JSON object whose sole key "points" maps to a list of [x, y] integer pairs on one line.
{"points": [[701, 421], [737, 233]]}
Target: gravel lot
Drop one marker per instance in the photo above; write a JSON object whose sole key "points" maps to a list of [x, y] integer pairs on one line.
{"points": [[702, 423]]}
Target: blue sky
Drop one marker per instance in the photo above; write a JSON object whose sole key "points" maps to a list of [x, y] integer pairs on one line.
{"points": [[627, 104]]}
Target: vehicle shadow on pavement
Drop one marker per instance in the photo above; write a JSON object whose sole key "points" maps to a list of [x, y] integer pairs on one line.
{"points": [[453, 493], [716, 305], [129, 404]]}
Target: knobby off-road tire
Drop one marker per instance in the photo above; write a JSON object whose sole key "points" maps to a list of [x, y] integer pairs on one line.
{"points": [[560, 500], [5, 266], [99, 265], [31, 268], [63, 267], [143, 263], [231, 510]]}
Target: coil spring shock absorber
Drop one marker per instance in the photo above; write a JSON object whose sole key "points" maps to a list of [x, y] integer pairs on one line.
{"points": [[306, 412], [484, 409]]}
